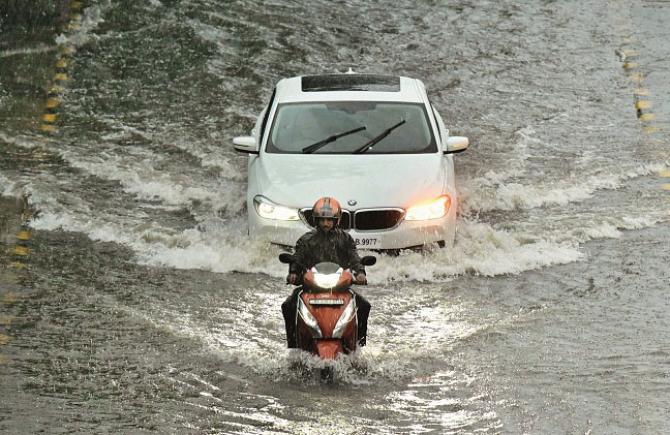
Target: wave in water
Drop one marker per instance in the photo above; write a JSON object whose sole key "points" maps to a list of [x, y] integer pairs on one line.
{"points": [[515, 196], [8, 187], [40, 48], [91, 18], [222, 245]]}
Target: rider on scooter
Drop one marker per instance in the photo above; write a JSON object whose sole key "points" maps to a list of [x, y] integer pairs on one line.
{"points": [[327, 243]]}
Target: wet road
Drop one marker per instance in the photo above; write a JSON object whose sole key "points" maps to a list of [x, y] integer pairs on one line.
{"points": [[131, 300]]}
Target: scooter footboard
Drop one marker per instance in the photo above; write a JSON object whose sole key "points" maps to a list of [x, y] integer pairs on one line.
{"points": [[328, 348]]}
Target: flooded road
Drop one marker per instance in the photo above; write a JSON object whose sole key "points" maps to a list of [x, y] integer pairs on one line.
{"points": [[131, 300]]}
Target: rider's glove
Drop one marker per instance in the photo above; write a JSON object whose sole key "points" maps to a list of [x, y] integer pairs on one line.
{"points": [[361, 278]]}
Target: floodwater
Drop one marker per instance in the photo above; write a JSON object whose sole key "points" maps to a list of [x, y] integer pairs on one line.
{"points": [[131, 300]]}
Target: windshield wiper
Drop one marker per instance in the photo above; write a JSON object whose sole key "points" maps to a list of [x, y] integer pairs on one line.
{"points": [[322, 143], [372, 142]]}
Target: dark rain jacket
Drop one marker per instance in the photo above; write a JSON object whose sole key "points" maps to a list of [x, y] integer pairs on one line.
{"points": [[316, 246]]}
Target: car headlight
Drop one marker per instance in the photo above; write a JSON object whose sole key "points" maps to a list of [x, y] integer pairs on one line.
{"points": [[269, 210], [434, 209]]}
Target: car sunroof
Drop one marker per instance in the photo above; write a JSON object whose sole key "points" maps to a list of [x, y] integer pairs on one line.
{"points": [[350, 82]]}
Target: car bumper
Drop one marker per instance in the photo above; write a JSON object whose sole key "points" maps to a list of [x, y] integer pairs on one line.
{"points": [[406, 235]]}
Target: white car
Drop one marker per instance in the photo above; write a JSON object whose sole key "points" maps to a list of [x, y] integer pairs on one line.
{"points": [[375, 143]]}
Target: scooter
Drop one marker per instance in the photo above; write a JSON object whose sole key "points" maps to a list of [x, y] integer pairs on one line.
{"points": [[326, 321]]}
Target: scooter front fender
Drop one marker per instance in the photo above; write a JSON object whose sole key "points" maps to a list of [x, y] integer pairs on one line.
{"points": [[328, 348]]}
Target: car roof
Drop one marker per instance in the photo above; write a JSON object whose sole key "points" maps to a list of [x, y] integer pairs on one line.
{"points": [[350, 87]]}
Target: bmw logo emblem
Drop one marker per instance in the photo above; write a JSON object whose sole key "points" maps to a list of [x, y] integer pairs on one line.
{"points": [[352, 202]]}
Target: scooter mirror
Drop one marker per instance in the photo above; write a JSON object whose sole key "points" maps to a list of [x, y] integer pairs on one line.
{"points": [[368, 260], [286, 258]]}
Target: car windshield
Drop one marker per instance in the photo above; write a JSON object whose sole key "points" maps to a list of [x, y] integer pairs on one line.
{"points": [[300, 125]]}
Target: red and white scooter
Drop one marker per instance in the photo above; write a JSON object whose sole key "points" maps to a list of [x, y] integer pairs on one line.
{"points": [[326, 321]]}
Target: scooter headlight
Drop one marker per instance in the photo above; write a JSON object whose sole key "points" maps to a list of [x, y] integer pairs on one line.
{"points": [[327, 281], [269, 210], [309, 320]]}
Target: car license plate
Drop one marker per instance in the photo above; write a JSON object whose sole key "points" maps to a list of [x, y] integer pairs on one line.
{"points": [[369, 242]]}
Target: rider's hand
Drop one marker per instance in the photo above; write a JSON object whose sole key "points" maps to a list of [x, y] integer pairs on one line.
{"points": [[292, 278], [361, 278]]}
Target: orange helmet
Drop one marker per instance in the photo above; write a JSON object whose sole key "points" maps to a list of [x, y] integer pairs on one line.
{"points": [[327, 208]]}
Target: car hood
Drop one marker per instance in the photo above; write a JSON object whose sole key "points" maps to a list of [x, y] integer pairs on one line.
{"points": [[370, 180]]}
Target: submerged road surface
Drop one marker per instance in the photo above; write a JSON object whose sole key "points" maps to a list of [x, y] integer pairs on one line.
{"points": [[131, 300]]}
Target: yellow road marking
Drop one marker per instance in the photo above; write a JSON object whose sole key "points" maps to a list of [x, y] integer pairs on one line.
{"points": [[17, 265], [49, 117], [20, 250], [73, 26], [52, 103], [48, 128], [643, 104], [23, 235], [4, 339], [637, 77], [650, 129], [60, 77], [630, 65], [645, 117], [629, 52], [62, 63], [665, 186], [641, 91], [665, 173]]}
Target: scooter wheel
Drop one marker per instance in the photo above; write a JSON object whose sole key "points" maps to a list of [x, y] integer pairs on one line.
{"points": [[327, 375]]}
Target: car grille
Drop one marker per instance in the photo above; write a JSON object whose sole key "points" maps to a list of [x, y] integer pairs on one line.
{"points": [[364, 220], [377, 219]]}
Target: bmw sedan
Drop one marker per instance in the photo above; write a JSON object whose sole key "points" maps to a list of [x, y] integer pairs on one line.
{"points": [[373, 142]]}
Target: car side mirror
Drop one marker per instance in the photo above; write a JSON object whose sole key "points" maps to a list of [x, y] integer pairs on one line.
{"points": [[456, 144], [368, 260], [245, 144]]}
